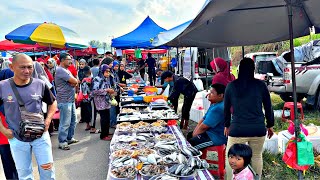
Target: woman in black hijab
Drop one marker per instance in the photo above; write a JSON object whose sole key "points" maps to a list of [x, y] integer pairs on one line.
{"points": [[246, 96]]}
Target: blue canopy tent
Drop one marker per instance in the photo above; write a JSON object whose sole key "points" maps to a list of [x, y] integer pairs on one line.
{"points": [[165, 37], [141, 37]]}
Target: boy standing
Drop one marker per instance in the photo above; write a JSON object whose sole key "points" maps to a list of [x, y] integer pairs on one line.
{"points": [[209, 131]]}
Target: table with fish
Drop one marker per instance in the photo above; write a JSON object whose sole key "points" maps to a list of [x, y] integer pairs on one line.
{"points": [[155, 151]]}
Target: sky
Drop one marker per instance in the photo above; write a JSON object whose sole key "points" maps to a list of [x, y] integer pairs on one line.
{"points": [[96, 19]]}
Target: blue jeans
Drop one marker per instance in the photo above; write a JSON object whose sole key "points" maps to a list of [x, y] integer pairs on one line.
{"points": [[22, 155], [68, 122], [113, 116]]}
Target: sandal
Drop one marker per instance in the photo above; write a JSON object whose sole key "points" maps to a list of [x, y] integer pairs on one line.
{"points": [[97, 131], [108, 138], [64, 147]]}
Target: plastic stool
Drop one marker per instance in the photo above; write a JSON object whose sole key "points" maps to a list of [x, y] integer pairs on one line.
{"points": [[215, 156], [290, 106]]}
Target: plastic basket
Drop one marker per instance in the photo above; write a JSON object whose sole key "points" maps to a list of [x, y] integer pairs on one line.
{"points": [[148, 99]]}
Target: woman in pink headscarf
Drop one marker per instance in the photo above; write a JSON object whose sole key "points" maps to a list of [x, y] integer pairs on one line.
{"points": [[222, 71]]}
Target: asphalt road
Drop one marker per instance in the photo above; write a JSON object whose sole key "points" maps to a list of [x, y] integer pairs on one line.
{"points": [[87, 160]]}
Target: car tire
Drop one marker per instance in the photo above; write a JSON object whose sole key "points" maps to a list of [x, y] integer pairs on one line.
{"points": [[287, 97]]}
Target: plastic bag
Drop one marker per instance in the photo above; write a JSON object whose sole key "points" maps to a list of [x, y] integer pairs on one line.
{"points": [[80, 97], [114, 102], [305, 152], [290, 156], [199, 84], [291, 128], [166, 91]]}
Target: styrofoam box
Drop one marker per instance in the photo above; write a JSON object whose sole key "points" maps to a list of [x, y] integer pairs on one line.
{"points": [[196, 114], [271, 145], [284, 136]]}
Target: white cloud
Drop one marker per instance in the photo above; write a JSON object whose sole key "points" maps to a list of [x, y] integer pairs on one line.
{"points": [[97, 19]]}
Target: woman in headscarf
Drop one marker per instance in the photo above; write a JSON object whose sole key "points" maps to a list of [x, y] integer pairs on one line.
{"points": [[52, 64], [222, 71], [43, 63], [123, 74], [101, 91], [247, 95], [81, 72], [5, 64]]}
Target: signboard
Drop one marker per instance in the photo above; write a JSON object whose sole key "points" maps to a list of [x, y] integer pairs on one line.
{"points": [[187, 64]]}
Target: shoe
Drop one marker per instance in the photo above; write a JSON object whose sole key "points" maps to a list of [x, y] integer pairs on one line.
{"points": [[72, 141], [64, 147], [108, 138], [97, 131]]}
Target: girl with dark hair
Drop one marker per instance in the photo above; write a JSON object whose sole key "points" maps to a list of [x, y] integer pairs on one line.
{"points": [[239, 157], [247, 95]]}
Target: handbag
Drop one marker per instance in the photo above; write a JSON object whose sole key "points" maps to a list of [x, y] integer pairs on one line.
{"points": [[32, 124], [305, 151]]}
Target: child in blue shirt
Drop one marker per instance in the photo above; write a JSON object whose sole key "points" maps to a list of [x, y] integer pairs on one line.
{"points": [[210, 129]]}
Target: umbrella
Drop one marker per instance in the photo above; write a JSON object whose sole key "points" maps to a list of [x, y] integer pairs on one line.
{"points": [[46, 34], [248, 22]]}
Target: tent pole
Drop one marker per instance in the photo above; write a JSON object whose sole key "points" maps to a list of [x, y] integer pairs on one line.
{"points": [[50, 49], [242, 47], [206, 60], [294, 88]]}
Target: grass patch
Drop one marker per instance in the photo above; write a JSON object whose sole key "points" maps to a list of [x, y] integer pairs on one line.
{"points": [[275, 168]]}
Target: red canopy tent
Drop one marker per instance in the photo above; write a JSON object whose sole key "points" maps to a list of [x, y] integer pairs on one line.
{"points": [[7, 45], [84, 52]]}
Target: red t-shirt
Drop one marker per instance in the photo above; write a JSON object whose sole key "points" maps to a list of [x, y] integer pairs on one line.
{"points": [[3, 139]]}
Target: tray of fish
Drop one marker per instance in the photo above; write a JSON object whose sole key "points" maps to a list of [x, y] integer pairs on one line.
{"points": [[190, 151], [161, 129], [140, 136], [165, 137], [124, 161], [166, 147], [151, 159], [144, 152], [163, 177], [133, 145], [134, 105], [148, 171], [121, 153], [182, 171], [128, 118], [159, 108], [159, 123], [124, 138], [123, 173]]}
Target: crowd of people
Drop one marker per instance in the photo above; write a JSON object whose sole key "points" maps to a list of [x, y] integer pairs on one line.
{"points": [[95, 86]]}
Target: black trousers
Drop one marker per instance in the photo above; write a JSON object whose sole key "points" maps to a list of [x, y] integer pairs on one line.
{"points": [[85, 111], [187, 103], [142, 74], [8, 164], [201, 141], [152, 77], [104, 122]]}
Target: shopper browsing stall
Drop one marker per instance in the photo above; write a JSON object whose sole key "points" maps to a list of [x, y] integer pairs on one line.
{"points": [[123, 75], [101, 91], [180, 85]]}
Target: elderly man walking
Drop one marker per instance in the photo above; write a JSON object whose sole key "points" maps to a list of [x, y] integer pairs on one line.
{"points": [[65, 86], [22, 97]]}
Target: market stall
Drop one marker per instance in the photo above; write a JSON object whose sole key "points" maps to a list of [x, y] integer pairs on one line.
{"points": [[148, 144]]}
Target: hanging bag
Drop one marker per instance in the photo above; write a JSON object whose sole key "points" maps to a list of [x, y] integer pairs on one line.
{"points": [[290, 156], [305, 151], [32, 124]]}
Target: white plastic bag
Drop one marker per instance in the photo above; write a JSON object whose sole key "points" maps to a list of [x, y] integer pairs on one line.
{"points": [[166, 91], [199, 84]]}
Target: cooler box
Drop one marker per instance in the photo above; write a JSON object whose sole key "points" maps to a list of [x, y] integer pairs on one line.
{"points": [[284, 136]]}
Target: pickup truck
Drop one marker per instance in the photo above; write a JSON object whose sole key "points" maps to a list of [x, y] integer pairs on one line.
{"points": [[307, 82]]}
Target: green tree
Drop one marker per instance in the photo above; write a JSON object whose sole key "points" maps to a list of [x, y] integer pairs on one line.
{"points": [[95, 43]]}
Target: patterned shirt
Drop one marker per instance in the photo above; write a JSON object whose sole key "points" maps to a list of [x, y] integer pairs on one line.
{"points": [[100, 96], [245, 174]]}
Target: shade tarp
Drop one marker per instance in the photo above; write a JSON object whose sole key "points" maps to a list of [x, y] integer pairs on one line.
{"points": [[224, 23], [141, 37]]}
